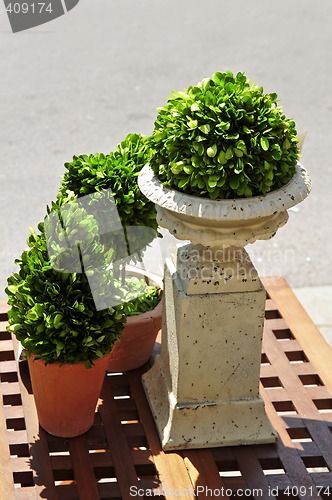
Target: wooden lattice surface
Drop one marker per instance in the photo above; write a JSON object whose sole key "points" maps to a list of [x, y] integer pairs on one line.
{"points": [[120, 457]]}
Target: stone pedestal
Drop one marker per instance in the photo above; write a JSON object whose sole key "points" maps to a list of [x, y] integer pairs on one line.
{"points": [[203, 387]]}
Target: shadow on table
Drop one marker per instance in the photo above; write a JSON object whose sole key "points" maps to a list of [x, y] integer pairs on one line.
{"points": [[292, 468], [107, 460]]}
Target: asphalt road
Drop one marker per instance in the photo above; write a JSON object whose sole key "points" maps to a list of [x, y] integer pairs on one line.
{"points": [[82, 82]]}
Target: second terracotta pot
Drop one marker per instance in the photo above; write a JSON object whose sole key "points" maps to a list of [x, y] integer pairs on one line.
{"points": [[137, 340]]}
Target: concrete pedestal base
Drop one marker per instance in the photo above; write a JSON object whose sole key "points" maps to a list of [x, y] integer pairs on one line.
{"points": [[203, 387]]}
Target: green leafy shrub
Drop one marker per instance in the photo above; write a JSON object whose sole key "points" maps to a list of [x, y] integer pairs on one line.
{"points": [[223, 138], [117, 171], [148, 297], [53, 313]]}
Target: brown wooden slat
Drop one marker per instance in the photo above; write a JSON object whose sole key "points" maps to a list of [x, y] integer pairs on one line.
{"points": [[287, 451], [37, 437], [204, 473], [309, 449], [298, 395], [10, 388], [27, 493], [252, 471], [318, 351], [12, 412], [83, 470], [277, 394], [16, 437], [8, 367], [67, 492], [171, 469], [21, 464], [6, 478], [304, 369], [267, 371], [290, 345], [117, 442], [40, 466], [287, 386], [319, 392], [6, 345], [324, 479], [4, 308]]}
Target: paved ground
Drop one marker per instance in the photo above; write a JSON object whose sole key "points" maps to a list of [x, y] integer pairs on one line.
{"points": [[81, 83]]}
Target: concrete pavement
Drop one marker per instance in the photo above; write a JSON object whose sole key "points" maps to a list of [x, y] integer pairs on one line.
{"points": [[82, 82], [317, 301]]}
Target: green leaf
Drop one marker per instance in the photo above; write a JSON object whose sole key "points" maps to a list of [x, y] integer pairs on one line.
{"points": [[212, 151], [212, 183], [229, 153], [205, 128], [15, 327], [192, 124], [183, 182], [188, 169], [12, 289], [247, 192], [238, 152], [200, 149], [286, 144], [234, 181], [176, 169], [59, 345], [222, 158], [264, 143], [57, 320]]}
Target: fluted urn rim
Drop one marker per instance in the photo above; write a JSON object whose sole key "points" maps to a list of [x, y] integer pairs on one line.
{"points": [[279, 200]]}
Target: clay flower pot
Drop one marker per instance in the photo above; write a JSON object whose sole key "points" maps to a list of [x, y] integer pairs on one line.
{"points": [[66, 396], [139, 335]]}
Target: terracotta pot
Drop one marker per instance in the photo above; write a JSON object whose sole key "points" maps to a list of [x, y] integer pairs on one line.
{"points": [[139, 335], [66, 396]]}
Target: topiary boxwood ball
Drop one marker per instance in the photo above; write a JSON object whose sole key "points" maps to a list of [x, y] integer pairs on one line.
{"points": [[223, 138]]}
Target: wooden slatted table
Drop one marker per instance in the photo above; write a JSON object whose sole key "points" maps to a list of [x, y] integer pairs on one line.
{"points": [[121, 458]]}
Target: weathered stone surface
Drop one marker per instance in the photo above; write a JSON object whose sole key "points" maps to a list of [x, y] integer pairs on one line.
{"points": [[203, 387], [224, 223]]}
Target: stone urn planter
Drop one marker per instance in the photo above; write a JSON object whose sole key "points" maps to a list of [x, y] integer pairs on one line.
{"points": [[203, 388]]}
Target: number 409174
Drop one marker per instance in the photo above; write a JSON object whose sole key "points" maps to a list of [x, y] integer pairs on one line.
{"points": [[304, 491], [31, 7]]}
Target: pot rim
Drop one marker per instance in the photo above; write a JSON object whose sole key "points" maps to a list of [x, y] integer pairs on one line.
{"points": [[278, 200], [158, 281], [32, 358]]}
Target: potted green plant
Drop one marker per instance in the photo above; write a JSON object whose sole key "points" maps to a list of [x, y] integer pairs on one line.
{"points": [[143, 321], [223, 170], [117, 174], [54, 316], [117, 171], [225, 143], [224, 138]]}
